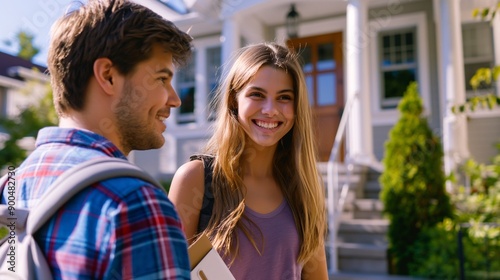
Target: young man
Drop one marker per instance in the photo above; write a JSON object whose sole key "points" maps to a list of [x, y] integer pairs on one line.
{"points": [[111, 64]]}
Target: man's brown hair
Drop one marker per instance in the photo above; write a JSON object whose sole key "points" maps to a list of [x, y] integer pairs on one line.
{"points": [[119, 30]]}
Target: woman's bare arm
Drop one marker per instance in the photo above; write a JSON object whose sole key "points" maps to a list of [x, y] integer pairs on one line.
{"points": [[186, 193], [316, 268]]}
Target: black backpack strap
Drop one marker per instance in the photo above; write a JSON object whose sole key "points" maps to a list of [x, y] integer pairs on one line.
{"points": [[208, 197]]}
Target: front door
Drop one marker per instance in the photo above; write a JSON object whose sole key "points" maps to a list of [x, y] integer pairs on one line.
{"points": [[322, 65]]}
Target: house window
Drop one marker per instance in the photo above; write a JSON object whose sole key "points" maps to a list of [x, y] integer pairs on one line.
{"points": [[401, 56], [398, 65], [186, 88], [213, 74], [478, 53]]}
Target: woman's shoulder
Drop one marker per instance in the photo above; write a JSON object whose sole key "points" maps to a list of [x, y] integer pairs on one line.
{"points": [[188, 182], [192, 169]]}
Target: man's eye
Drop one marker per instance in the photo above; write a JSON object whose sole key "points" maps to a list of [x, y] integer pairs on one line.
{"points": [[163, 80]]}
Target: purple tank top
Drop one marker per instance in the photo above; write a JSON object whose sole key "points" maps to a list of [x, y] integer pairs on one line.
{"points": [[279, 247]]}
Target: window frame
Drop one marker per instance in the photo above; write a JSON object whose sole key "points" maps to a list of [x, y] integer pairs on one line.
{"points": [[478, 59], [392, 102], [418, 22], [200, 115], [183, 118]]}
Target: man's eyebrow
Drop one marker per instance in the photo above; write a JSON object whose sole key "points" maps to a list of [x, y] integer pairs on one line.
{"points": [[166, 71]]}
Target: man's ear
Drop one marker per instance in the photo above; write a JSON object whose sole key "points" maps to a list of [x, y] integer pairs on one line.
{"points": [[104, 73]]}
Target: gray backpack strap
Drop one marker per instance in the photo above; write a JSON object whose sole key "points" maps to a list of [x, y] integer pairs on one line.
{"points": [[7, 213], [66, 186], [31, 262], [81, 176]]}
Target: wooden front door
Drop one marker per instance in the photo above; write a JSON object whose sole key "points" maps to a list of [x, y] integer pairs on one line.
{"points": [[322, 65]]}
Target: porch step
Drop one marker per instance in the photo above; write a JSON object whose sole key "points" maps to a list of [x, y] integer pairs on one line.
{"points": [[368, 276], [363, 231], [365, 208], [372, 189], [322, 167], [365, 258]]}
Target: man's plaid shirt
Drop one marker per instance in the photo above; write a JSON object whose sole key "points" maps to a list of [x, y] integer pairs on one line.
{"points": [[120, 228]]}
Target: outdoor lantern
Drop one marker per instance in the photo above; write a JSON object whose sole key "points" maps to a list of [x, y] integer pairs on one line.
{"points": [[292, 23]]}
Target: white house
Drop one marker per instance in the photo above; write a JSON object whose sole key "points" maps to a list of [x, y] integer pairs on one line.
{"points": [[15, 94], [359, 56], [369, 49]]}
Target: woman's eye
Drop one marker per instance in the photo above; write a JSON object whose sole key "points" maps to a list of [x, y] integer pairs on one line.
{"points": [[256, 94], [285, 97]]}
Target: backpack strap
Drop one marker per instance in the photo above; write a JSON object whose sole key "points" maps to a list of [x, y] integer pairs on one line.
{"points": [[208, 197], [73, 181], [7, 213]]}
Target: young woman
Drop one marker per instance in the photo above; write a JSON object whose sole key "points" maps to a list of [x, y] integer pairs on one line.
{"points": [[256, 192]]}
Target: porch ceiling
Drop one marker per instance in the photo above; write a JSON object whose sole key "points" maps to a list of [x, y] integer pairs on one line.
{"points": [[204, 15]]}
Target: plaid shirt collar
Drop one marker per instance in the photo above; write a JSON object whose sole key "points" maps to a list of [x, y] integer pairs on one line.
{"points": [[78, 137]]}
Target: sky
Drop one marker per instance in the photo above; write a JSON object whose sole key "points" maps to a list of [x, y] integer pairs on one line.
{"points": [[33, 16]]}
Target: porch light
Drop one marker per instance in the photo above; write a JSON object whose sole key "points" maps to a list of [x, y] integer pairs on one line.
{"points": [[292, 22]]}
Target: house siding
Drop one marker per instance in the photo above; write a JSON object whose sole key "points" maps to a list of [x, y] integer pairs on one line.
{"points": [[483, 133]]}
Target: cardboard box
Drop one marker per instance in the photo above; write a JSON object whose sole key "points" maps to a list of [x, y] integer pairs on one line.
{"points": [[206, 263]]}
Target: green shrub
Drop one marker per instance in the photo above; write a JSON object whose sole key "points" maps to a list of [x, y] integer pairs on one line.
{"points": [[477, 209], [413, 182], [435, 252]]}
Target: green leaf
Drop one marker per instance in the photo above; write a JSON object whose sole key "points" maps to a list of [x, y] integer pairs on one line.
{"points": [[475, 12], [496, 72], [485, 13], [491, 100]]}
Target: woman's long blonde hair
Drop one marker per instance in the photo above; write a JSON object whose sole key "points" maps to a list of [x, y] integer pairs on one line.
{"points": [[295, 159]]}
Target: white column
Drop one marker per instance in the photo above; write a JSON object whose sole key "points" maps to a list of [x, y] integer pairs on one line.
{"points": [[496, 46], [360, 136], [200, 106], [230, 38], [452, 87]]}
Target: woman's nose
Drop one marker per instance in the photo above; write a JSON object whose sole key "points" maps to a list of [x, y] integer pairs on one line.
{"points": [[269, 108]]}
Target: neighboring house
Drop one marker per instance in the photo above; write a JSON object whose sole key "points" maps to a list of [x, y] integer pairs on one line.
{"points": [[371, 49], [15, 74]]}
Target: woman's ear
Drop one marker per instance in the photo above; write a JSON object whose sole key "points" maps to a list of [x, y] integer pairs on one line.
{"points": [[104, 73]]}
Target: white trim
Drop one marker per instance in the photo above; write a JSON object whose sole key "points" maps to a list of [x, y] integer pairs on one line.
{"points": [[417, 20], [199, 117], [484, 113], [496, 46], [10, 83], [29, 74]]}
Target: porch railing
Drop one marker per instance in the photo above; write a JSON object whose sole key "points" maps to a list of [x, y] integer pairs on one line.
{"points": [[335, 202]]}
